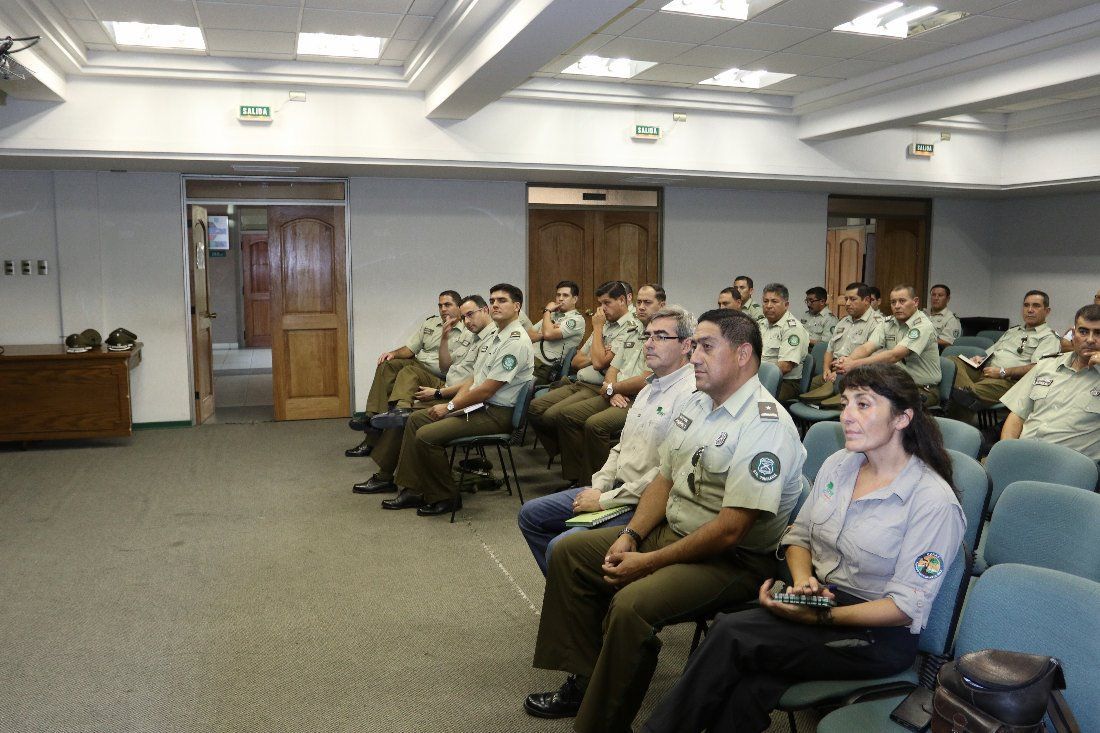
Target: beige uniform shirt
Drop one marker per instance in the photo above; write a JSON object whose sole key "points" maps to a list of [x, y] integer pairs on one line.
{"points": [[753, 309], [614, 335], [948, 327], [571, 324], [509, 358], [1059, 404], [743, 453], [786, 340], [463, 366], [1022, 345], [820, 325], [630, 360], [634, 461], [895, 542], [424, 343], [850, 333], [919, 336]]}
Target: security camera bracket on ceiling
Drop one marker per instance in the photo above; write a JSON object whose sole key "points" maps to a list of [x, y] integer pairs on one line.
{"points": [[9, 68]]}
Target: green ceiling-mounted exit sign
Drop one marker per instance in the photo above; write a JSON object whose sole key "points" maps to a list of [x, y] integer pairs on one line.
{"points": [[254, 113], [646, 132]]}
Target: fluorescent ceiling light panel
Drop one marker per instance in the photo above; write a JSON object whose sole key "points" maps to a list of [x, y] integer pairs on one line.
{"points": [[330, 44], [735, 9], [891, 20], [614, 68], [151, 35], [746, 78]]}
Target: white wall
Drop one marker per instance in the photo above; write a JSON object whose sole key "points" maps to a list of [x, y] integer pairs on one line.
{"points": [[412, 238], [115, 246], [1049, 243], [713, 235], [963, 233]]}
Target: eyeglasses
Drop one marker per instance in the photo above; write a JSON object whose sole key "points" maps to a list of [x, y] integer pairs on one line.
{"points": [[694, 465], [471, 314], [660, 337]]}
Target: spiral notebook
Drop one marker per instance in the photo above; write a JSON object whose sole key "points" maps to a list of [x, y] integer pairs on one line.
{"points": [[595, 519]]}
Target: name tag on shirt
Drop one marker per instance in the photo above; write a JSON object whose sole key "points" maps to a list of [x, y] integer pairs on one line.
{"points": [[683, 421], [1044, 381]]}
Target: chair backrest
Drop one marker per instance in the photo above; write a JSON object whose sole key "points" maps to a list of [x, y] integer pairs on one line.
{"points": [[973, 341], [993, 336], [770, 377], [1040, 611], [956, 350], [519, 411], [818, 353], [822, 440], [562, 370], [960, 436], [947, 380], [807, 372], [1035, 460], [944, 614], [1046, 525], [973, 484], [807, 487]]}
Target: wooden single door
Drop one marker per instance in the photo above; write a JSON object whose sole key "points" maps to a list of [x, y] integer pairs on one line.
{"points": [[844, 250], [257, 290], [309, 321], [557, 245], [901, 256], [202, 342], [626, 247]]}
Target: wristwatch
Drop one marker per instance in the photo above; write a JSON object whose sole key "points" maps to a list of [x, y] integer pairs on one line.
{"points": [[451, 406], [1003, 373], [610, 389], [438, 395], [627, 530]]}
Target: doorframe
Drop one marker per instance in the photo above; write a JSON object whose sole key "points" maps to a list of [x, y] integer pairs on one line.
{"points": [[186, 244]]}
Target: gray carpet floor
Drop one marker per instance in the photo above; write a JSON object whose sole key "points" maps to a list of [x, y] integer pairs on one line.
{"points": [[225, 578]]}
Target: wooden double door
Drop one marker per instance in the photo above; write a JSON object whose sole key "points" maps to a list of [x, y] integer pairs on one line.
{"points": [[590, 247]]}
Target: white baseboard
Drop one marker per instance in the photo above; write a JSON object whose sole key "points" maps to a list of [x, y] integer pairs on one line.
{"points": [[224, 347]]}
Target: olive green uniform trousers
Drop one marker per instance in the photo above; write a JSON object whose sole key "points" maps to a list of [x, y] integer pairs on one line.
{"points": [[820, 389], [424, 466], [387, 444], [788, 389], [409, 381], [587, 431], [930, 393], [986, 389], [545, 411], [589, 629], [542, 372], [385, 374]]}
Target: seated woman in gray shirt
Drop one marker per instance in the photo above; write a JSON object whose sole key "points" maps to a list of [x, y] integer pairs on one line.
{"points": [[880, 527]]}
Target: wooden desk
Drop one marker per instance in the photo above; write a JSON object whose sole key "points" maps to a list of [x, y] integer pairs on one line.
{"points": [[48, 394]]}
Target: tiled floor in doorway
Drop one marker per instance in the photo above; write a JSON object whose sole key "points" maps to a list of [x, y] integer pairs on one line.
{"points": [[243, 386]]}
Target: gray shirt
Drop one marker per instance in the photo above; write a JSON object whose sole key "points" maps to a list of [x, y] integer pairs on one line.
{"points": [[820, 325], [919, 336], [1022, 345], [895, 542], [463, 366], [1059, 404], [615, 333], [509, 358], [850, 333], [743, 453], [634, 461], [948, 326], [786, 340]]}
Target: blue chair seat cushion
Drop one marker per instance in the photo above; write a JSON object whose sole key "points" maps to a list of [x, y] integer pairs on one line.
{"points": [[873, 715], [818, 692]]}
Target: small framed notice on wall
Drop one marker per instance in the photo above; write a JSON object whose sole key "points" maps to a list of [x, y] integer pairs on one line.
{"points": [[218, 233]]}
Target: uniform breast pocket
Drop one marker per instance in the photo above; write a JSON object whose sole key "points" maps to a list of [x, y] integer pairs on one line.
{"points": [[1038, 391], [1093, 405], [876, 549], [716, 461]]}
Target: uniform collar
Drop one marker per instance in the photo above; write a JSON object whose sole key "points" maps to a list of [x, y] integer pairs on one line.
{"points": [[1036, 329], [868, 315], [737, 401], [1066, 360], [903, 484], [511, 328], [669, 380]]}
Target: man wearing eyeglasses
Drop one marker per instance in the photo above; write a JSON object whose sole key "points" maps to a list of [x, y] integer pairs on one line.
{"points": [[479, 327], [702, 538], [632, 463], [1014, 355], [948, 326], [819, 320]]}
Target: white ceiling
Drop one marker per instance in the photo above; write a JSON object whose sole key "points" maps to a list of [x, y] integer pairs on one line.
{"points": [[465, 54]]}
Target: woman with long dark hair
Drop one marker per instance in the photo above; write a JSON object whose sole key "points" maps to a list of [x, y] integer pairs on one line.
{"points": [[875, 536]]}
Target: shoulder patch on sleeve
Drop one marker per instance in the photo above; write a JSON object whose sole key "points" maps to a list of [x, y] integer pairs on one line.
{"points": [[767, 410], [793, 339], [764, 467], [928, 565], [514, 335], [508, 362], [571, 323], [913, 334]]}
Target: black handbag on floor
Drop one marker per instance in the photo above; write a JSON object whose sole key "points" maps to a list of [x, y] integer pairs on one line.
{"points": [[996, 691]]}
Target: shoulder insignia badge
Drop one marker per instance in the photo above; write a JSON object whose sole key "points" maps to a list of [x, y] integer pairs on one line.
{"points": [[1095, 392], [793, 339], [571, 323], [913, 334], [764, 467], [427, 331], [928, 565], [767, 410], [508, 362], [720, 439]]}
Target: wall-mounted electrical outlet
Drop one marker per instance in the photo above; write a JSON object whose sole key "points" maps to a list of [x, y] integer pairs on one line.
{"points": [[43, 267], [26, 269], [9, 267]]}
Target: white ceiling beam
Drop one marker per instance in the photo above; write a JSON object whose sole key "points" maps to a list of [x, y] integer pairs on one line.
{"points": [[1038, 75], [520, 41]]}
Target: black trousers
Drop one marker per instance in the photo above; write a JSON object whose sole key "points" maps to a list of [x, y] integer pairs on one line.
{"points": [[736, 677]]}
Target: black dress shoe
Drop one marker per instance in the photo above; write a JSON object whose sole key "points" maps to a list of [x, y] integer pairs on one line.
{"points": [[375, 485], [439, 507], [395, 418], [360, 451], [405, 499], [357, 423], [966, 398], [563, 702], [477, 466]]}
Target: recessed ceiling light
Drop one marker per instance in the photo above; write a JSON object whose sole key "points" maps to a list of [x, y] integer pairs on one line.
{"points": [[735, 9], [331, 44], [746, 78], [614, 68], [151, 35], [891, 20]]}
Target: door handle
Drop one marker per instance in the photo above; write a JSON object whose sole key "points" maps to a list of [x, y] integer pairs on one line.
{"points": [[211, 315]]}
